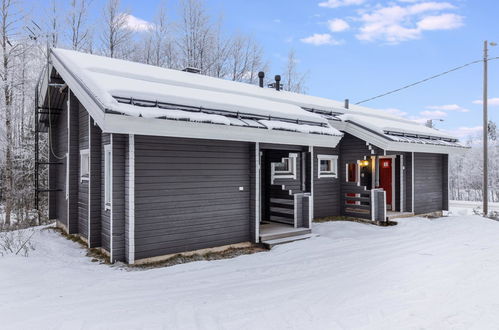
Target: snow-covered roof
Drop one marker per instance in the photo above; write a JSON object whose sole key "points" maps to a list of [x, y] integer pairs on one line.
{"points": [[145, 92], [251, 95], [148, 92]]}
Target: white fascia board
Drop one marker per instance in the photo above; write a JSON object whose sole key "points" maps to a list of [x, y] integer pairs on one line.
{"points": [[122, 124], [94, 109], [385, 144], [427, 148]]}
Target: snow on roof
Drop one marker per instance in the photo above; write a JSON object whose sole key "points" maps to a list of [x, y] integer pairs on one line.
{"points": [[111, 80], [387, 126]]}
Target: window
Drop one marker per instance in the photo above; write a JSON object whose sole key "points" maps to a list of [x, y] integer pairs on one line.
{"points": [[108, 163], [84, 165], [327, 166], [286, 169], [351, 172]]}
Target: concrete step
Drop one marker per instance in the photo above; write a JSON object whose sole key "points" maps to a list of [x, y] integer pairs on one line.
{"points": [[288, 233], [273, 242]]}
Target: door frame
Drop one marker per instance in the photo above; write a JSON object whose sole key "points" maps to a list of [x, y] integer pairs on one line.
{"points": [[394, 159]]}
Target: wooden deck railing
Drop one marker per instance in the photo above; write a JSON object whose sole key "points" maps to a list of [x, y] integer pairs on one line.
{"points": [[365, 204]]}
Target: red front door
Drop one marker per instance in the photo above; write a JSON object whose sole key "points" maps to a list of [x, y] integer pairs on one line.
{"points": [[385, 178]]}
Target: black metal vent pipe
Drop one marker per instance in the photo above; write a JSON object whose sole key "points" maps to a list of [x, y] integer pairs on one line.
{"points": [[261, 75], [277, 82]]}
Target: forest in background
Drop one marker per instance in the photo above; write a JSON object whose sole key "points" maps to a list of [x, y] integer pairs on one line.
{"points": [[194, 39]]}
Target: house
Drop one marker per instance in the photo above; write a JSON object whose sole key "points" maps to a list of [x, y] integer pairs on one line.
{"points": [[147, 162]]}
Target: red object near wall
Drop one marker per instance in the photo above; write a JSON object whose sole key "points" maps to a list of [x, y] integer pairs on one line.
{"points": [[385, 178]]}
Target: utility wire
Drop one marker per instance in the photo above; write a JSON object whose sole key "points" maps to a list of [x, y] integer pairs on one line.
{"points": [[424, 80]]}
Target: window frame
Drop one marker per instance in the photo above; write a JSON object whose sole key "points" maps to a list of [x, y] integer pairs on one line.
{"points": [[83, 176], [289, 174], [108, 176], [334, 166]]}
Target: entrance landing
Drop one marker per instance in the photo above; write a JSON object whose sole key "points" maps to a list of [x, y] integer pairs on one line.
{"points": [[390, 215], [274, 231]]}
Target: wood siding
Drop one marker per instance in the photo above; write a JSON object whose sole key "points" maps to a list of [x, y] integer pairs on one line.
{"points": [[351, 149], [120, 142], [57, 179], [74, 164], [95, 239], [83, 185], [187, 194], [326, 190], [429, 182]]}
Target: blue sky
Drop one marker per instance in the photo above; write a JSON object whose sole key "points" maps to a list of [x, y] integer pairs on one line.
{"points": [[360, 48]]}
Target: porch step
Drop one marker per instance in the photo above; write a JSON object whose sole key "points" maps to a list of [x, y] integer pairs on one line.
{"points": [[285, 233], [273, 242]]}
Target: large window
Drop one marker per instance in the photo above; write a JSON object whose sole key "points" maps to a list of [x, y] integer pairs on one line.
{"points": [[108, 182], [285, 169], [328, 166], [84, 165]]}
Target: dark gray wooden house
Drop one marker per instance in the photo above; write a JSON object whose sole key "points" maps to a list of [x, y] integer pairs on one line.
{"points": [[147, 162]]}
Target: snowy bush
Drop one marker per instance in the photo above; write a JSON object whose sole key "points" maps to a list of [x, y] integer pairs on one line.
{"points": [[16, 242]]}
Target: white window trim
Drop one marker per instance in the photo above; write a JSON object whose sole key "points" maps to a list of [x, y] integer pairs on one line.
{"points": [[326, 174], [285, 174], [108, 168], [82, 153]]}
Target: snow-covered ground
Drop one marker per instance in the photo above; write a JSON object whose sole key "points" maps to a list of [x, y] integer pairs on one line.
{"points": [[435, 274], [466, 207]]}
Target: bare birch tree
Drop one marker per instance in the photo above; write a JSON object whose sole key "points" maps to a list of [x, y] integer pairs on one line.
{"points": [[293, 80], [115, 34], [77, 24], [196, 38], [158, 46], [9, 19]]}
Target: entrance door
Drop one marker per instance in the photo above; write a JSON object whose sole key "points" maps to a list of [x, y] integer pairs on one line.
{"points": [[386, 180]]}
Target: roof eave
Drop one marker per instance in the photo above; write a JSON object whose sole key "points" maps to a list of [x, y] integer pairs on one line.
{"points": [[122, 124], [379, 141]]}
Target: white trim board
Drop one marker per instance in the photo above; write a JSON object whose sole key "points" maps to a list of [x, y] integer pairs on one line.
{"points": [[412, 187], [131, 199], [311, 199], [89, 206], [257, 192]]}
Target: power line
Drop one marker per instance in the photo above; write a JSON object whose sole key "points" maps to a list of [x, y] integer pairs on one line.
{"points": [[424, 80]]}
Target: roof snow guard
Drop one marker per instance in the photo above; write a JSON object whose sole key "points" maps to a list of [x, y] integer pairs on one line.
{"points": [[224, 117], [133, 98]]}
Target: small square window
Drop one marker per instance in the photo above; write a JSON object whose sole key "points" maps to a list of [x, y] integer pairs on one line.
{"points": [[285, 169], [84, 164], [328, 166]]}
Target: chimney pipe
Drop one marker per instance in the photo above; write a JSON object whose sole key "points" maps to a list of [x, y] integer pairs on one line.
{"points": [[347, 103], [277, 82], [261, 75]]}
